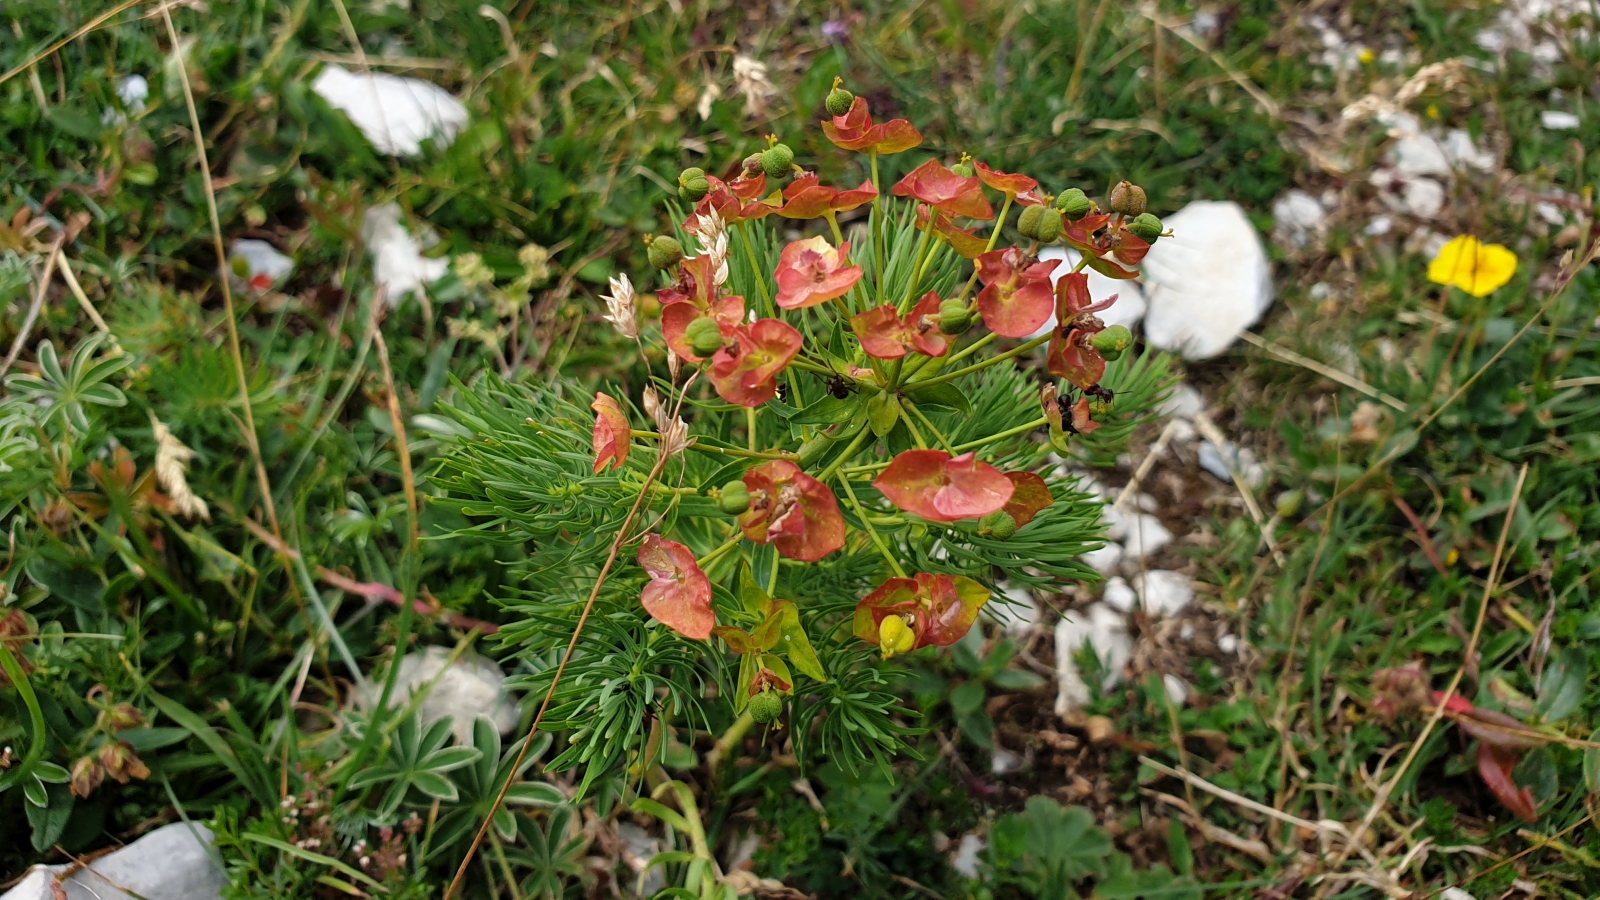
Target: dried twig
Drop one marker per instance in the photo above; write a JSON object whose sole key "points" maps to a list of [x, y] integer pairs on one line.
{"points": [[33, 309], [1344, 378]]}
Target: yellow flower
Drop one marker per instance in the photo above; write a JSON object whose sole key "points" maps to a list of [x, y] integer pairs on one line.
{"points": [[894, 636], [1475, 267]]}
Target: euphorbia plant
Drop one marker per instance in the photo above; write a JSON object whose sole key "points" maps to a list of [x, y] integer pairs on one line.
{"points": [[838, 456]]}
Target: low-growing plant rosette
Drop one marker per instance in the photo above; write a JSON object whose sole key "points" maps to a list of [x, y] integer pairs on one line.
{"points": [[845, 455]]}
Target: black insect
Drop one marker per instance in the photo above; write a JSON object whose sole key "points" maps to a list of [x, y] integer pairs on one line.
{"points": [[840, 388], [1101, 391], [783, 392]]}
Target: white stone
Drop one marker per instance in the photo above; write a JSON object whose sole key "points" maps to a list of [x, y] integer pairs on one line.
{"points": [[1228, 644], [1208, 282], [170, 863], [641, 846], [1003, 761], [1297, 216], [1177, 689], [1223, 462], [1145, 537], [264, 265], [1186, 633], [1415, 153], [1320, 291], [473, 687], [133, 91], [966, 858], [1104, 560], [1018, 615], [1120, 595], [1128, 309], [1146, 503], [1183, 402], [1106, 632], [1550, 212], [1423, 198], [1555, 120], [1380, 225], [397, 259], [1458, 145], [1163, 592], [1455, 893], [396, 114], [1115, 522]]}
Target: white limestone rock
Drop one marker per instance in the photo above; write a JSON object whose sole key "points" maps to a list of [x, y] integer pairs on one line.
{"points": [[1104, 560], [1145, 537], [172, 862], [1018, 615], [1120, 595], [397, 260], [1297, 217], [1106, 632], [1164, 593], [1208, 282], [474, 686], [396, 114]]}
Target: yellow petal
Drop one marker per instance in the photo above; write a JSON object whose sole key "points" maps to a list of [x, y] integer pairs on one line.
{"points": [[1494, 268], [1475, 267], [1458, 253]]}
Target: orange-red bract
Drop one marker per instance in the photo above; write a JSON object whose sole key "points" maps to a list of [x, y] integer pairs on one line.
{"points": [[679, 594], [855, 131], [1072, 354], [1031, 495], [936, 487], [805, 198], [611, 432], [745, 371], [810, 271], [794, 512], [1004, 181], [944, 190], [884, 335], [1495, 765], [728, 312], [941, 608], [1016, 298], [964, 241]]}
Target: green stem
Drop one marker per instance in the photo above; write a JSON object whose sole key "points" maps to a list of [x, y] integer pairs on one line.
{"points": [[755, 270], [849, 451], [726, 451], [877, 221], [872, 532], [750, 426], [1015, 351], [806, 365], [19, 680], [911, 408], [974, 347], [922, 250], [894, 373], [959, 448], [706, 561], [922, 443], [994, 236]]}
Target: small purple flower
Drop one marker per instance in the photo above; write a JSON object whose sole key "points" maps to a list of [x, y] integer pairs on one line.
{"points": [[835, 30]]}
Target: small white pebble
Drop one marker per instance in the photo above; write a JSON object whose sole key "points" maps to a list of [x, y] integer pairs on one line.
{"points": [[1186, 632], [1555, 120], [1228, 644], [1177, 691]]}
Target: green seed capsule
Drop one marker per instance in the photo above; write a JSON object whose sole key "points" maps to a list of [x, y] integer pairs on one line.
{"points": [[777, 161], [1146, 226], [664, 252], [735, 498], [1127, 198], [1074, 204], [766, 707], [954, 317], [962, 169], [1115, 338], [1028, 222], [1049, 227], [695, 189], [690, 174], [704, 337], [999, 524], [839, 101]]}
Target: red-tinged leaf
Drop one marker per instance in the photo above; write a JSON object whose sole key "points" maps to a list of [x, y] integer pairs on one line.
{"points": [[922, 327], [953, 605], [893, 597], [1497, 728], [720, 199], [1495, 765], [855, 131], [748, 188], [612, 435], [930, 484], [679, 594], [1111, 269], [737, 639], [1129, 248], [880, 331], [1456, 704], [1031, 198], [808, 203], [745, 370], [1017, 297], [793, 511], [848, 200], [676, 318], [896, 136], [1003, 181], [811, 272], [1080, 234], [946, 191], [1081, 423], [1030, 497], [1074, 358], [964, 241]]}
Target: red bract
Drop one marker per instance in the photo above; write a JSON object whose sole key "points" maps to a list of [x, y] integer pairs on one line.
{"points": [[677, 316], [1003, 181], [1016, 297], [964, 241], [932, 485], [745, 370], [884, 335], [1494, 767], [1072, 354], [679, 594], [811, 271], [695, 281], [854, 131], [1126, 248], [794, 512], [735, 201], [938, 608], [1031, 495], [611, 433], [944, 190], [804, 198]]}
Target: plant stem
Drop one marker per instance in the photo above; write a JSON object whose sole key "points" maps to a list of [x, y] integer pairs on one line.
{"points": [[994, 236], [877, 221], [948, 376], [873, 532], [922, 250], [974, 347], [706, 561], [849, 450], [730, 739], [725, 451], [916, 435], [911, 408], [19, 680], [755, 270], [750, 426]]}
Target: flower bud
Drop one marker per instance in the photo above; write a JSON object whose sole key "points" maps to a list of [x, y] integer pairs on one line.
{"points": [[954, 318], [1289, 503], [1127, 198], [664, 251], [124, 715], [705, 338], [735, 498], [839, 101], [777, 160], [1028, 222], [1115, 339], [999, 525], [766, 707], [87, 773], [895, 636], [1146, 226], [1049, 227], [1074, 204], [121, 762]]}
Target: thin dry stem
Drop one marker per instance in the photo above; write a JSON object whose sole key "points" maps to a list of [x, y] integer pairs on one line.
{"points": [[33, 309]]}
